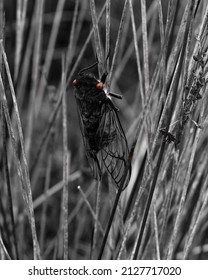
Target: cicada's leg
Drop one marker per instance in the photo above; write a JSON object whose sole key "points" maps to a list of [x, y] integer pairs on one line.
{"points": [[108, 100]]}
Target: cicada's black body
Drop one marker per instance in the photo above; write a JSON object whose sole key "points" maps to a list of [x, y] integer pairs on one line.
{"points": [[104, 139]]}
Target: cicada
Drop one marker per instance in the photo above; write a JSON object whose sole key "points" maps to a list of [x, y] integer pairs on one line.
{"points": [[104, 139]]}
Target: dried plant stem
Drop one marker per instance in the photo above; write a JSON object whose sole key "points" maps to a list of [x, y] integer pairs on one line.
{"points": [[161, 25], [97, 211], [66, 162], [44, 208], [145, 45], [20, 25], [156, 232], [35, 75], [8, 183], [107, 31]]}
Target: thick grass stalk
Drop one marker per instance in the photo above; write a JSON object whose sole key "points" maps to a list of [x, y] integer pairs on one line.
{"points": [[161, 25], [8, 183], [24, 67], [97, 212], [156, 230], [35, 75], [145, 45], [20, 26], [45, 204], [107, 39], [66, 162]]}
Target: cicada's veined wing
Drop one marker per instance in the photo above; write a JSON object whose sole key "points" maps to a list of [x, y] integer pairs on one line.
{"points": [[113, 148], [95, 165]]}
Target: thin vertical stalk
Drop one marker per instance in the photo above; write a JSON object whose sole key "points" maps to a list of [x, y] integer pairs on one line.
{"points": [[35, 74], [44, 208], [8, 183], [107, 39], [137, 53], [20, 25], [97, 211], [145, 45], [156, 232], [66, 159]]}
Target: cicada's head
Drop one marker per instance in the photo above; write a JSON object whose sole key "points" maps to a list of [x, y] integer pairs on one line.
{"points": [[88, 85]]}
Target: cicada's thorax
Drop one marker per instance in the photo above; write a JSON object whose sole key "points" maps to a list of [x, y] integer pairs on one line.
{"points": [[91, 103]]}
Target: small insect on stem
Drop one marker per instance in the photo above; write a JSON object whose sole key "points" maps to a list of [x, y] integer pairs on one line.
{"points": [[104, 139], [168, 137]]}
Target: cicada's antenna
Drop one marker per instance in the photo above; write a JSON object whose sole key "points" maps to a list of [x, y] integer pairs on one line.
{"points": [[105, 74], [116, 95], [87, 68]]}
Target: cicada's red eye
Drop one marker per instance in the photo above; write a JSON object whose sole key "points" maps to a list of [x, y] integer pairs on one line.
{"points": [[74, 83], [100, 86]]}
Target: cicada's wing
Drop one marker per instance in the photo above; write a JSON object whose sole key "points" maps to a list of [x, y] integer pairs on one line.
{"points": [[95, 165], [113, 148]]}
